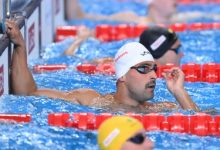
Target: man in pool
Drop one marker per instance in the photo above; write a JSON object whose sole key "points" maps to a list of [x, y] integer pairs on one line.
{"points": [[135, 73]]}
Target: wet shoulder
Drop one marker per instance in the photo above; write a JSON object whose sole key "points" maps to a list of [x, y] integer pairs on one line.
{"points": [[161, 107], [84, 96], [103, 100]]}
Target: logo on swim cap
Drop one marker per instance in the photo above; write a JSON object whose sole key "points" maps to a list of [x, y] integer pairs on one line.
{"points": [[145, 53]]}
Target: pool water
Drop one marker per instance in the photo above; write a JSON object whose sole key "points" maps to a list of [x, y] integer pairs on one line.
{"points": [[102, 7], [200, 47], [39, 135]]}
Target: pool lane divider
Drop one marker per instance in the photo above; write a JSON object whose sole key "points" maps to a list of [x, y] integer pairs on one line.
{"points": [[15, 118], [48, 67], [200, 124], [209, 72], [107, 32], [106, 68]]}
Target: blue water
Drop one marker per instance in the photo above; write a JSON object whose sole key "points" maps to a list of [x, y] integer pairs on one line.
{"points": [[200, 47], [209, 7], [38, 135], [102, 7]]}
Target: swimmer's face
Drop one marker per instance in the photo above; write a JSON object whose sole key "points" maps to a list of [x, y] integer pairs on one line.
{"points": [[140, 81]]}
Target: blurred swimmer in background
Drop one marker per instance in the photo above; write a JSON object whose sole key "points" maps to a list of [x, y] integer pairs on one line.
{"points": [[159, 12], [163, 44]]}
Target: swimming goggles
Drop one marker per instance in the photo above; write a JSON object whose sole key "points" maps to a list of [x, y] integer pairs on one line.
{"points": [[144, 69], [176, 50], [137, 139]]}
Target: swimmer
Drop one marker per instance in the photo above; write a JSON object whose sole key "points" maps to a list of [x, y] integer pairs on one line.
{"points": [[159, 11], [163, 44], [156, 14], [135, 74], [167, 50], [123, 133]]}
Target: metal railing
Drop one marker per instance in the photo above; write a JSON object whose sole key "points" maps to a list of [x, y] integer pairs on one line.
{"points": [[5, 12]]}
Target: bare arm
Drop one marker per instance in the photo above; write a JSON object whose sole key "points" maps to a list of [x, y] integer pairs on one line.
{"points": [[83, 33], [22, 80], [79, 96], [103, 60], [175, 80], [73, 47]]}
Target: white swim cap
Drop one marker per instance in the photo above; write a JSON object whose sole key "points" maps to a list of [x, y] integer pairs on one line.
{"points": [[129, 55]]}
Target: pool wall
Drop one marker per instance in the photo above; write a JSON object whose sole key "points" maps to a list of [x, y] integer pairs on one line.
{"points": [[37, 20]]}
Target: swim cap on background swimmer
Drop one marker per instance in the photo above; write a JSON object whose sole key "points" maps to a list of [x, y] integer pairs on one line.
{"points": [[158, 40], [129, 55], [114, 131]]}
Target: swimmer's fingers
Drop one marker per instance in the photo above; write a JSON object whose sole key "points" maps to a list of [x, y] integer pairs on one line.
{"points": [[13, 32], [167, 74], [10, 26], [172, 73]]}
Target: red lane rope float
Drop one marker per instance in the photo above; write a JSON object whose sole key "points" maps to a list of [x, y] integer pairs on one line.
{"points": [[216, 25], [103, 32], [107, 68], [209, 72], [15, 118], [162, 68], [48, 67], [192, 72], [200, 124], [178, 27], [87, 68], [138, 29], [63, 32], [107, 32]]}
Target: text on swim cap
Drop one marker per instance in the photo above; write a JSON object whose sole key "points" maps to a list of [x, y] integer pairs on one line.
{"points": [[116, 59]]}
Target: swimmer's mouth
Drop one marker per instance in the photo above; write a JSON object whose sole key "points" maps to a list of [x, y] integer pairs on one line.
{"points": [[152, 86]]}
